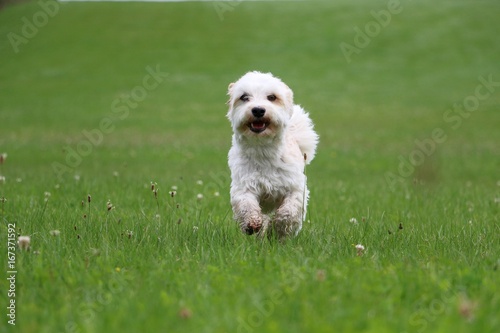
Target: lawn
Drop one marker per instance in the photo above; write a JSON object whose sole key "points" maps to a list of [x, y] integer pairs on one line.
{"points": [[99, 102]]}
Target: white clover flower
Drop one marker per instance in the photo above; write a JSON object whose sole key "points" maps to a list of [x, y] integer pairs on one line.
{"points": [[24, 242], [19, 180], [77, 177], [195, 229], [359, 249], [217, 194], [2, 179], [54, 232], [353, 221], [3, 157], [199, 196], [173, 187], [199, 182], [172, 193]]}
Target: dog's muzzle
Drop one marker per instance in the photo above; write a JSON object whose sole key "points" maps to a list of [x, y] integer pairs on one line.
{"points": [[258, 125]]}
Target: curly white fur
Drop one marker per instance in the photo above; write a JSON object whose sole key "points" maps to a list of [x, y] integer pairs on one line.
{"points": [[273, 140]]}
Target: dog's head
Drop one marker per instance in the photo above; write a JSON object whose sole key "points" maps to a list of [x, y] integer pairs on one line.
{"points": [[259, 105]]}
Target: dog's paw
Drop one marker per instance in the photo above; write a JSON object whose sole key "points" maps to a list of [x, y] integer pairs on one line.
{"points": [[252, 225], [285, 226]]}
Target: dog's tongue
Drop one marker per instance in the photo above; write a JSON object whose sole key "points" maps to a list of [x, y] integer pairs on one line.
{"points": [[258, 124]]}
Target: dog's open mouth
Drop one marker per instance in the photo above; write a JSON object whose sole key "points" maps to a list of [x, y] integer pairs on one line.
{"points": [[258, 126]]}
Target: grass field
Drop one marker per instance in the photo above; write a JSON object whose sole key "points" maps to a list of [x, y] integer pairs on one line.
{"points": [[103, 99]]}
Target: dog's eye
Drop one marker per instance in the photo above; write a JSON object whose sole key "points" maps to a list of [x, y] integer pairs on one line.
{"points": [[245, 98], [271, 98]]}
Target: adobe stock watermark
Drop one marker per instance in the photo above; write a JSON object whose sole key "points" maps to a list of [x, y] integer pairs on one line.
{"points": [[95, 303], [218, 181], [421, 318], [11, 273], [453, 118], [120, 110], [31, 27], [225, 6], [267, 307], [372, 29]]}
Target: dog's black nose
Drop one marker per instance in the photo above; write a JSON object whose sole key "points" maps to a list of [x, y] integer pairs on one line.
{"points": [[258, 112]]}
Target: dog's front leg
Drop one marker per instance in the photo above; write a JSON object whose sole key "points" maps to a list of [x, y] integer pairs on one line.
{"points": [[247, 212], [289, 216]]}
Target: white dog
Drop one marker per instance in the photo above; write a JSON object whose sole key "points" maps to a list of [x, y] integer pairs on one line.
{"points": [[273, 140]]}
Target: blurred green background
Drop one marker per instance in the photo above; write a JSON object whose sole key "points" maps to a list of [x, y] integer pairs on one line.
{"points": [[395, 90]]}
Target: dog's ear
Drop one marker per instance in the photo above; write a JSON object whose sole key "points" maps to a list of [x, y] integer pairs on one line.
{"points": [[229, 92], [288, 98]]}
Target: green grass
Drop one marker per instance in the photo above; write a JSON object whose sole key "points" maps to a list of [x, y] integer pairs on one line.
{"points": [[180, 264]]}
